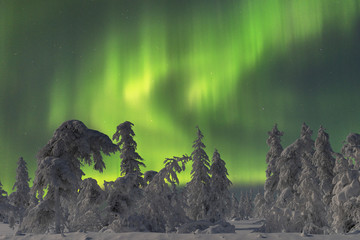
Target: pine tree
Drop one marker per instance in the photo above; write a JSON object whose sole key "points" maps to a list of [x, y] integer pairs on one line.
{"points": [[351, 150], [220, 197], [325, 163], [59, 169], [131, 160], [272, 171], [198, 189], [21, 197]]}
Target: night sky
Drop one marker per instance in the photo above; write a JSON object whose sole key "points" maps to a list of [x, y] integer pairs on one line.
{"points": [[234, 68]]}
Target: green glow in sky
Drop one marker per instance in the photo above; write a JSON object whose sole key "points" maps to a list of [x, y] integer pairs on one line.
{"points": [[232, 67]]}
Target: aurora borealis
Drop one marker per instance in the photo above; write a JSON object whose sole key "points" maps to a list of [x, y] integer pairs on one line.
{"points": [[232, 67]]}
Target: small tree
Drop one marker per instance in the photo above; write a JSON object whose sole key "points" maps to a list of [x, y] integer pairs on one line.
{"points": [[162, 206], [131, 160], [4, 203], [198, 189], [86, 213], [220, 197], [21, 197]]}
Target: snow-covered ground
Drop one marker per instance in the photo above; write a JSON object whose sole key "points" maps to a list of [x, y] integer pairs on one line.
{"points": [[244, 231]]}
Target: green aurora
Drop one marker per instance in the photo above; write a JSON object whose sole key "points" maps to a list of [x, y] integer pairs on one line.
{"points": [[232, 67]]}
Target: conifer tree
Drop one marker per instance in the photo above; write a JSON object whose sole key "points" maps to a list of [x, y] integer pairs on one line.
{"points": [[351, 150], [325, 163], [131, 160], [21, 197], [59, 170], [220, 197], [198, 189], [272, 158], [310, 198], [290, 163], [3, 202]]}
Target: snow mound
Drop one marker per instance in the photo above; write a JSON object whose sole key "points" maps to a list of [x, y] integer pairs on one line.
{"points": [[206, 227]]}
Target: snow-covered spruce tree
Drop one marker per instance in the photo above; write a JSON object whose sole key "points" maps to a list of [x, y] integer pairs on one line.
{"points": [[285, 214], [234, 213], [21, 196], [220, 197], [259, 206], [131, 160], [310, 204], [59, 171], [86, 213], [325, 163], [345, 201], [272, 171], [290, 166], [351, 150], [123, 199], [4, 203], [162, 207], [198, 189]]}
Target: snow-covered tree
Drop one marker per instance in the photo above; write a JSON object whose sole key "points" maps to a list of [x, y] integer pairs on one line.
{"points": [[21, 197], [345, 200], [220, 197], [198, 189], [123, 198], [272, 171], [131, 160], [86, 213], [162, 205], [325, 163], [285, 215], [4, 203], [234, 213], [290, 166], [310, 199], [259, 206], [59, 170], [351, 150]]}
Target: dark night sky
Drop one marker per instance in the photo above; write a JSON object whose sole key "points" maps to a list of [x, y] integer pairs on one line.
{"points": [[232, 67]]}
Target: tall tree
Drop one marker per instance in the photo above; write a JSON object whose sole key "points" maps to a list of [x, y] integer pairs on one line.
{"points": [[272, 171], [59, 171], [220, 197], [198, 189], [131, 160], [22, 194], [325, 163]]}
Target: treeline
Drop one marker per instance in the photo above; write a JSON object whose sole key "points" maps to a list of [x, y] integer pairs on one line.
{"points": [[136, 201], [309, 187]]}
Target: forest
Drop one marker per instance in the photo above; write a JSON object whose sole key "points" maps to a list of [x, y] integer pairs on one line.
{"points": [[309, 188]]}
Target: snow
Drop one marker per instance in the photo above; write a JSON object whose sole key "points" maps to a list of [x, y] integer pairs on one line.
{"points": [[244, 230]]}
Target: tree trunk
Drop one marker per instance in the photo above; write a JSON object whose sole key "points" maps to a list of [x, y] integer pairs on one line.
{"points": [[57, 211]]}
